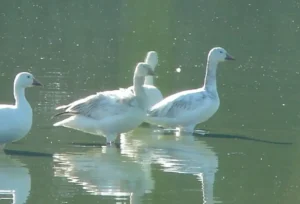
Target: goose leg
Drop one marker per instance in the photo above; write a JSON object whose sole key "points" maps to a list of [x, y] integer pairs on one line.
{"points": [[116, 144], [110, 139], [188, 129], [109, 143]]}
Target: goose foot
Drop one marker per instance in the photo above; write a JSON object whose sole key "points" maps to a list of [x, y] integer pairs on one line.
{"points": [[200, 132]]}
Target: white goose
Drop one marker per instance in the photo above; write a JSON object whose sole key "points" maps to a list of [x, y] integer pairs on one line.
{"points": [[153, 94], [186, 109], [16, 120], [110, 113]]}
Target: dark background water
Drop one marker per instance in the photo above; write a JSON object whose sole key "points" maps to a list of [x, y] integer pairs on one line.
{"points": [[79, 47]]}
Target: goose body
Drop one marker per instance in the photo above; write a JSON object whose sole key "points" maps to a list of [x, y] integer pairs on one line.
{"points": [[109, 113], [16, 120], [186, 109]]}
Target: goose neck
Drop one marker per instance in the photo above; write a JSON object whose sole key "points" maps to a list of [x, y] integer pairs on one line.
{"points": [[210, 81], [139, 91]]}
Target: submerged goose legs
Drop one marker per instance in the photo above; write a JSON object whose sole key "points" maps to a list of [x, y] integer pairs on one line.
{"points": [[115, 141], [109, 144]]}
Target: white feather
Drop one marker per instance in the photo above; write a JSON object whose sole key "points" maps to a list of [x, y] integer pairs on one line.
{"points": [[110, 113], [16, 120], [188, 108]]}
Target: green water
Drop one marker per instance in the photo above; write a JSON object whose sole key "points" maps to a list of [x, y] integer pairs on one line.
{"points": [[76, 48]]}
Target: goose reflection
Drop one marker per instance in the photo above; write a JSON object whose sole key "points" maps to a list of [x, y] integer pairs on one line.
{"points": [[183, 154], [107, 172], [15, 180]]}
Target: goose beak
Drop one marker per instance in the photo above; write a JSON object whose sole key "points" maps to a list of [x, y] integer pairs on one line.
{"points": [[229, 57], [36, 83], [151, 72]]}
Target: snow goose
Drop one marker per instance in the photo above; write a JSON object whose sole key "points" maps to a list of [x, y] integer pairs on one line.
{"points": [[186, 109], [16, 120], [153, 93], [110, 113]]}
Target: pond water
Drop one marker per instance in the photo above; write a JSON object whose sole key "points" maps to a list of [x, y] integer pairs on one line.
{"points": [[76, 48]]}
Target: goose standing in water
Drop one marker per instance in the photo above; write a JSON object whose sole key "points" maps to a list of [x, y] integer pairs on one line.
{"points": [[16, 120], [186, 109], [110, 113], [153, 93]]}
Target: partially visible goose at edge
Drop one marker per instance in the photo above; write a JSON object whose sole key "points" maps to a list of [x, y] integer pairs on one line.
{"points": [[186, 109], [16, 120], [109, 113], [153, 93]]}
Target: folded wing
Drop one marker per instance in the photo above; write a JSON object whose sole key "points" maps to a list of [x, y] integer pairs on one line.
{"points": [[177, 105], [101, 105]]}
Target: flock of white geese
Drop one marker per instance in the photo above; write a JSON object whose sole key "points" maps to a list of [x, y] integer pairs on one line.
{"points": [[110, 113]]}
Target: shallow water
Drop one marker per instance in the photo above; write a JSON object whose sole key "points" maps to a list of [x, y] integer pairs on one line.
{"points": [[76, 48]]}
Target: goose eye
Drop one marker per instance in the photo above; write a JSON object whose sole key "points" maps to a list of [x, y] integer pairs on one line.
{"points": [[221, 52], [28, 77]]}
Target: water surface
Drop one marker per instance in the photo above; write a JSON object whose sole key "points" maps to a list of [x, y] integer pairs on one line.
{"points": [[79, 47]]}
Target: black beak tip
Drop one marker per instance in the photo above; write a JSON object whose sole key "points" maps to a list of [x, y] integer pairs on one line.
{"points": [[37, 83], [228, 57]]}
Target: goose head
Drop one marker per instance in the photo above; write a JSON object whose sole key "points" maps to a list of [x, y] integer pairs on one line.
{"points": [[219, 54], [143, 69], [152, 59], [25, 79]]}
